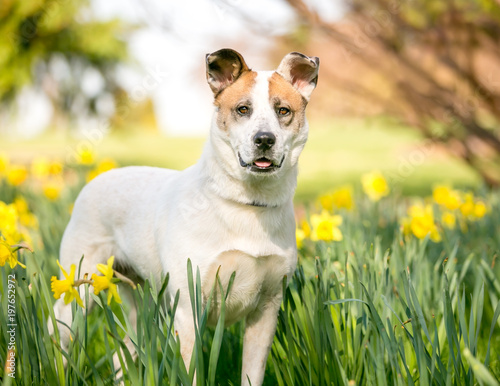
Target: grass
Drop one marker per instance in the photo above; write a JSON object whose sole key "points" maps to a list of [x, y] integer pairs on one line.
{"points": [[374, 308], [337, 152]]}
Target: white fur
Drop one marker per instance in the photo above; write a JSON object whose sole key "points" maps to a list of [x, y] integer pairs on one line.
{"points": [[152, 220]]}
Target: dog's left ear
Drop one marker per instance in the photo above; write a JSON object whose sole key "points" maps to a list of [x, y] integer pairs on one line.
{"points": [[301, 71], [223, 68]]}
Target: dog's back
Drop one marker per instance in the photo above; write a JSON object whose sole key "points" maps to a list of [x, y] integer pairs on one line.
{"points": [[105, 218]]}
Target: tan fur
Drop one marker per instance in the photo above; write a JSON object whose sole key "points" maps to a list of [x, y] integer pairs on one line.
{"points": [[283, 94], [230, 97]]}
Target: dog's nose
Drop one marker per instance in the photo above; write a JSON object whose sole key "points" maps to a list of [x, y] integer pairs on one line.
{"points": [[264, 140]]}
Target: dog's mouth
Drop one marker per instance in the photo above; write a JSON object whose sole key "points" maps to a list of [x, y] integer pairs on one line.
{"points": [[261, 165]]}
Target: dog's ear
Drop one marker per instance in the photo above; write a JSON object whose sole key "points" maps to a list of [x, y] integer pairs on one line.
{"points": [[301, 71], [223, 68]]}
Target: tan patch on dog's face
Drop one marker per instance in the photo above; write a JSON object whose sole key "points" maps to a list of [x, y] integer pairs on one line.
{"points": [[283, 94], [231, 98]]}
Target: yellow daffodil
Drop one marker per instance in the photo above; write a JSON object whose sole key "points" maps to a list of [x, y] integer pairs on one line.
{"points": [[56, 168], [471, 208], [421, 222], [26, 218], [449, 220], [17, 174], [21, 204], [306, 228], [8, 255], [103, 166], [447, 197], [467, 207], [52, 188], [300, 236], [343, 198], [86, 157], [374, 185], [480, 209], [325, 227], [104, 282], [326, 202], [9, 224], [4, 164], [40, 167], [8, 218], [66, 286]]}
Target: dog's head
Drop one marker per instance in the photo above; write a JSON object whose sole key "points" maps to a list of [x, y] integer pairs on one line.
{"points": [[260, 126]]}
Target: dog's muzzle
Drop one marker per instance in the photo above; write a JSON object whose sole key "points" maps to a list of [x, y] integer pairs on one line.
{"points": [[261, 165]]}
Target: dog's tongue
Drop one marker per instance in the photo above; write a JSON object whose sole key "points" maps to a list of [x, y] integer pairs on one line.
{"points": [[263, 163]]}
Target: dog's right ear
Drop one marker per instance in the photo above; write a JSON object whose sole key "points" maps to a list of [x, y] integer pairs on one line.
{"points": [[223, 68]]}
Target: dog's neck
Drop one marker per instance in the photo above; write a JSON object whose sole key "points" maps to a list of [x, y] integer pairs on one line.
{"points": [[258, 191]]}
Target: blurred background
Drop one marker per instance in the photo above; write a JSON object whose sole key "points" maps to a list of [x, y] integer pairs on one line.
{"points": [[408, 87]]}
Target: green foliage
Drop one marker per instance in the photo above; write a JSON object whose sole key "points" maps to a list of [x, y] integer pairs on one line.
{"points": [[37, 35], [375, 308]]}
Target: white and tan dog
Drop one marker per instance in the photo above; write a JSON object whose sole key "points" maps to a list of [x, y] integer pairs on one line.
{"points": [[232, 210]]}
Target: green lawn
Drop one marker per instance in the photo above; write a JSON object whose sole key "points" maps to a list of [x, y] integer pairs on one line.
{"points": [[337, 152]]}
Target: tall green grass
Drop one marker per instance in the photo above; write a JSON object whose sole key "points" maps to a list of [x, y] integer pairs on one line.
{"points": [[372, 309]]}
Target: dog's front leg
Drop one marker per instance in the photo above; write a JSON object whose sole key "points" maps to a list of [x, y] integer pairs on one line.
{"points": [[259, 333]]}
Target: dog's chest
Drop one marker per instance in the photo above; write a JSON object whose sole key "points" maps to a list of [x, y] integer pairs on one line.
{"points": [[256, 281]]}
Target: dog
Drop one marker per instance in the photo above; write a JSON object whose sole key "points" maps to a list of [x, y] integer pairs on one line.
{"points": [[230, 212]]}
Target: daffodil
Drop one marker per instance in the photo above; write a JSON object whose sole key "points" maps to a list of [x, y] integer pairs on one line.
{"points": [[55, 168], [52, 188], [421, 222], [447, 197], [300, 236], [473, 209], [342, 198], [449, 220], [374, 185], [86, 156], [17, 174], [480, 209], [8, 218], [306, 228], [103, 166], [325, 227], [4, 163], [26, 218], [326, 202], [66, 286], [7, 254], [40, 167], [467, 207], [302, 233], [105, 282], [9, 224]]}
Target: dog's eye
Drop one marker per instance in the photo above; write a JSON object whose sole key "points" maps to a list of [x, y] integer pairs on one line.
{"points": [[283, 111], [243, 110]]}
